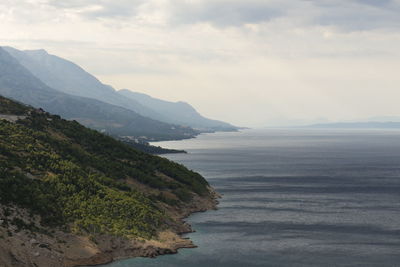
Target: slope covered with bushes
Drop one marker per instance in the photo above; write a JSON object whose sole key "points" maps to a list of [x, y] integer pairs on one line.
{"points": [[76, 178]]}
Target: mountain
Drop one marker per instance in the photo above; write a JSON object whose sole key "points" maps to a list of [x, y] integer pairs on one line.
{"points": [[18, 83], [67, 77], [383, 119], [71, 196], [178, 113], [358, 125]]}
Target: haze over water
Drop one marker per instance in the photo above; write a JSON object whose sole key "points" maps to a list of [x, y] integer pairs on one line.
{"points": [[294, 198]]}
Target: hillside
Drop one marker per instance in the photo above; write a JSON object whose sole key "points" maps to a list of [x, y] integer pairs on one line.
{"points": [[18, 83], [67, 77], [178, 112], [72, 196]]}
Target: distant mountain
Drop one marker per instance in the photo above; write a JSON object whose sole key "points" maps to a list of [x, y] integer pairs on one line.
{"points": [[384, 119], [178, 112], [18, 83], [67, 77], [358, 125]]}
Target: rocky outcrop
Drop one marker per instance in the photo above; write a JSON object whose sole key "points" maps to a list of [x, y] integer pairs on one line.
{"points": [[56, 248]]}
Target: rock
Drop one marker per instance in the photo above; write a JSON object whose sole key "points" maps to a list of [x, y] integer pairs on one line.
{"points": [[43, 245], [34, 241]]}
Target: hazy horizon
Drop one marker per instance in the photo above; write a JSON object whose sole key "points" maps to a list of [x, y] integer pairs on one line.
{"points": [[251, 63]]}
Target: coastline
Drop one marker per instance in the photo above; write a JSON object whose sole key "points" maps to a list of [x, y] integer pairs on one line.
{"points": [[24, 241], [177, 243], [43, 249], [152, 146]]}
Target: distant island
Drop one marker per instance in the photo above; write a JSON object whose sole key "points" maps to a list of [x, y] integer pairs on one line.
{"points": [[357, 125]]}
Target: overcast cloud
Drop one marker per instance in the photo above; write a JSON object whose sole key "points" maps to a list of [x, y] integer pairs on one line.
{"points": [[250, 62]]}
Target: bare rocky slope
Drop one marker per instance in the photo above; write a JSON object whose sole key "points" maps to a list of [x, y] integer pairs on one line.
{"points": [[58, 248]]}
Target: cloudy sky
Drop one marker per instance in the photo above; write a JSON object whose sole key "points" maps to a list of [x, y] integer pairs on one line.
{"points": [[249, 62]]}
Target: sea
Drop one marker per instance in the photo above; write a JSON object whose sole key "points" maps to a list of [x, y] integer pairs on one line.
{"points": [[293, 197]]}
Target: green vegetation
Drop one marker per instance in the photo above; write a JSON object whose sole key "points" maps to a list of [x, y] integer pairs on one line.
{"points": [[75, 177], [10, 107]]}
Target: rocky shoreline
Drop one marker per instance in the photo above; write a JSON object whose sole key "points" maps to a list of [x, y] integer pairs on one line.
{"points": [[56, 248]]}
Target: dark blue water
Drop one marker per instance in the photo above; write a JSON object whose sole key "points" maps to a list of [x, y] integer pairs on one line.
{"points": [[294, 198]]}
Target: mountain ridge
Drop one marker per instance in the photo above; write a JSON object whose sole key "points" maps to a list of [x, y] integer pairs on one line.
{"points": [[18, 83], [178, 112], [68, 77]]}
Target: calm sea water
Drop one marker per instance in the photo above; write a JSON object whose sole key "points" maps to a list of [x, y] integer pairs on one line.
{"points": [[294, 198]]}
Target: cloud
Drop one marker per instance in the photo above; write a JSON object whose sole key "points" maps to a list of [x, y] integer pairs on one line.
{"points": [[218, 12], [377, 3], [344, 15], [100, 8], [357, 15], [264, 59], [224, 13]]}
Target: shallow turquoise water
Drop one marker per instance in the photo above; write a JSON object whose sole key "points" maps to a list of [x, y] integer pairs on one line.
{"points": [[294, 198]]}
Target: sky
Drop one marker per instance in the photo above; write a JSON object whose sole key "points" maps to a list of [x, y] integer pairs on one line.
{"points": [[249, 62]]}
